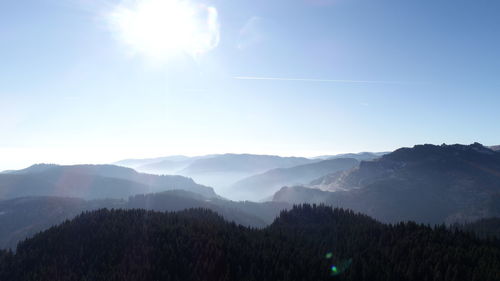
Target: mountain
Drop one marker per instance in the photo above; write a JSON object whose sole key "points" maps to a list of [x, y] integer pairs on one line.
{"points": [[221, 171], [136, 163], [217, 170], [495, 147], [23, 217], [362, 156], [426, 183], [166, 166], [266, 184], [299, 194], [161, 165], [244, 163], [305, 243], [178, 200], [90, 182]]}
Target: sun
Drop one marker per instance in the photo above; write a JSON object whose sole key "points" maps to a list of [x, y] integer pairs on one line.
{"points": [[161, 29]]}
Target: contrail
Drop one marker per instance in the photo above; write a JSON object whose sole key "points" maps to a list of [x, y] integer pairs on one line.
{"points": [[315, 80]]}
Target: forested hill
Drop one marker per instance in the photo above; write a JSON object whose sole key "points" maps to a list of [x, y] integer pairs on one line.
{"points": [[305, 243], [91, 182], [426, 183]]}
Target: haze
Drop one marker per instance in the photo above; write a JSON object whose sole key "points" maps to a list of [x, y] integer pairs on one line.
{"points": [[97, 81], [296, 140]]}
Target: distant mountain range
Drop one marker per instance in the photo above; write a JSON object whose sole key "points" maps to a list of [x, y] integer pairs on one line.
{"points": [[426, 183], [90, 182], [242, 163], [218, 170], [136, 163], [264, 185], [358, 156], [161, 165], [225, 171]]}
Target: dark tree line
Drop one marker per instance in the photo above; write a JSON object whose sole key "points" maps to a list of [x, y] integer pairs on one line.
{"points": [[305, 243], [483, 228]]}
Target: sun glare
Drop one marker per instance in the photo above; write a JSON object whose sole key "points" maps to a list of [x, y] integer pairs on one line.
{"points": [[161, 29]]}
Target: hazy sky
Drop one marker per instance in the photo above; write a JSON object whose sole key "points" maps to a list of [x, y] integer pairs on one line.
{"points": [[101, 80]]}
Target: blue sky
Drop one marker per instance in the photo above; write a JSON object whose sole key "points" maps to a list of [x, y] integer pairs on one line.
{"points": [[73, 88]]}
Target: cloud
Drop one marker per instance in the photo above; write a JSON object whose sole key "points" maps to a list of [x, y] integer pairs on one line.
{"points": [[316, 80]]}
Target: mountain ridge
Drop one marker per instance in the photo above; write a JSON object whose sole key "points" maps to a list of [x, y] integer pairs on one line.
{"points": [[23, 217], [90, 182], [267, 183], [426, 183]]}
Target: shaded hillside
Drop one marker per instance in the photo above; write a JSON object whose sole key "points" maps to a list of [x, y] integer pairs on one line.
{"points": [[362, 156], [266, 184], [306, 243], [426, 183], [90, 182], [301, 194], [23, 217], [181, 200]]}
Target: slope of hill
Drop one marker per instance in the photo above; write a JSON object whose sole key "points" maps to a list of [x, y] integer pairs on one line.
{"points": [[495, 147], [426, 183], [90, 182], [361, 156], [244, 163], [221, 171], [301, 194], [167, 166], [136, 163], [161, 165], [266, 184], [22, 217], [306, 243]]}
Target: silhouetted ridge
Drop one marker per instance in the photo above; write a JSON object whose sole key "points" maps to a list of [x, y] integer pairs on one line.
{"points": [[426, 183], [198, 244], [475, 151], [23, 217], [484, 228], [321, 215]]}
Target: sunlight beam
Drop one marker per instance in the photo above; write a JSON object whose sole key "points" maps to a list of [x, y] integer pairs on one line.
{"points": [[162, 29]]}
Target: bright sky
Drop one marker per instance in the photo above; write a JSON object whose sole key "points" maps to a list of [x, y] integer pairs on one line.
{"points": [[101, 80]]}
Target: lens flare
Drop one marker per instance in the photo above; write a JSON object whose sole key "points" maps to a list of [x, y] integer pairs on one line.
{"points": [[339, 266], [161, 29]]}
